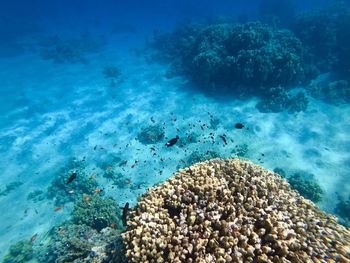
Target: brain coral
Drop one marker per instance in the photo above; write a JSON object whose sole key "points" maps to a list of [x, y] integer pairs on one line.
{"points": [[231, 211]]}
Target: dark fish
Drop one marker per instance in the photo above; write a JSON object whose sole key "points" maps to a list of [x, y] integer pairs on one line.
{"points": [[223, 138], [239, 125], [125, 213], [71, 178], [33, 238], [172, 141]]}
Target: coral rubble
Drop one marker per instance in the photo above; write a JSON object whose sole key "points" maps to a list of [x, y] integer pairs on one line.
{"points": [[231, 211]]}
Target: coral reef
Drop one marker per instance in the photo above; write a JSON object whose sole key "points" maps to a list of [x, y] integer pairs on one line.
{"points": [[10, 187], [62, 192], [306, 185], [226, 56], [69, 50], [325, 33], [20, 252], [96, 212], [240, 150], [36, 196], [343, 211], [277, 100], [151, 134], [231, 211], [77, 243]]}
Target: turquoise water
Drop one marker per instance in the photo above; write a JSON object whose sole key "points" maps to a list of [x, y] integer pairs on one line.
{"points": [[81, 81]]}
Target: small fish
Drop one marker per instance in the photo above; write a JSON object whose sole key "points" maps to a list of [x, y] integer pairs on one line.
{"points": [[109, 168], [72, 177], [172, 141], [58, 208], [33, 238], [152, 148], [95, 147], [239, 125], [183, 161], [71, 191], [152, 119], [97, 190], [87, 198], [123, 163], [113, 225], [223, 138], [125, 213]]}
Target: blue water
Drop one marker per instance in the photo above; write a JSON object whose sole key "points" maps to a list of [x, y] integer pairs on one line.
{"points": [[57, 105]]}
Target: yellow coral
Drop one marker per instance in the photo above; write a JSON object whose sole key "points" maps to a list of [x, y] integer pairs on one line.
{"points": [[231, 211]]}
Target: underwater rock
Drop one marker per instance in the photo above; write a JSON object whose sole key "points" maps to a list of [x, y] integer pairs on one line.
{"points": [[62, 192], [231, 210], [20, 252], [96, 212], [111, 72], [306, 185], [331, 91], [69, 50], [151, 134]]}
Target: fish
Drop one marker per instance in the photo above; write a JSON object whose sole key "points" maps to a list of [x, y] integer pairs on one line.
{"points": [[152, 119], [87, 198], [223, 138], [239, 125], [33, 238], [58, 208], [72, 177], [152, 148], [109, 168], [125, 213], [71, 191], [113, 225], [172, 141], [97, 190]]}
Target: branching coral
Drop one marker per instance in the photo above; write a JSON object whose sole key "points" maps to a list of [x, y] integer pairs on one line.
{"points": [[96, 212], [231, 211]]}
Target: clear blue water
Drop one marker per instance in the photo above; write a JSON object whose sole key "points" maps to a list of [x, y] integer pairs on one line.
{"points": [[58, 104]]}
